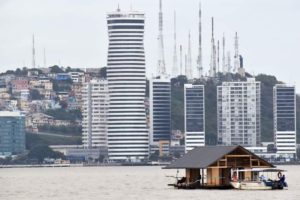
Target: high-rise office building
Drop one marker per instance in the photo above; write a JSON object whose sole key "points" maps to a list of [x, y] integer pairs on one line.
{"points": [[12, 133], [94, 111], [238, 111], [194, 116], [128, 136], [285, 120], [160, 110]]}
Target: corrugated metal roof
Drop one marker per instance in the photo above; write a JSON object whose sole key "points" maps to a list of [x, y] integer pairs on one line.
{"points": [[201, 157]]}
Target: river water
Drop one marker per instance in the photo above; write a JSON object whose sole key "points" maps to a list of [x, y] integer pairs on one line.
{"points": [[121, 183]]}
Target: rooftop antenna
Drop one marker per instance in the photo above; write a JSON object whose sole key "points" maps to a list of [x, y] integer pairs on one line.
{"points": [[199, 60], [33, 52], [185, 64], [161, 56], [45, 65], [189, 70], [218, 56], [118, 9], [236, 53], [181, 73], [213, 52], [223, 57], [228, 62], [175, 68]]}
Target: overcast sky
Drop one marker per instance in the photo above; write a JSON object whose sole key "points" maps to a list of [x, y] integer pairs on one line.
{"points": [[74, 32]]}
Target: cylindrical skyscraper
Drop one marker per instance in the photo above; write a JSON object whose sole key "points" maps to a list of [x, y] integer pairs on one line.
{"points": [[128, 137]]}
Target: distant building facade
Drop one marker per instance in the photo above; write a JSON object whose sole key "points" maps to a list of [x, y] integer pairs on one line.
{"points": [[160, 110], [194, 116], [12, 133], [128, 134], [238, 113], [285, 120], [94, 112]]}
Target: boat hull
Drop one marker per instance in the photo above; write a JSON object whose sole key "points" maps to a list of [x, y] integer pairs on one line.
{"points": [[255, 185]]}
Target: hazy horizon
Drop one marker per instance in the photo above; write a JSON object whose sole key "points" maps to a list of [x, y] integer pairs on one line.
{"points": [[74, 33]]}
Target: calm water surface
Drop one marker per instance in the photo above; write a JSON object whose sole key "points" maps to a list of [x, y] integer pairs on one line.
{"points": [[85, 183]]}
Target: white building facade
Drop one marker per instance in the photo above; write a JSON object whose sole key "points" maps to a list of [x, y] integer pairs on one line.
{"points": [[94, 112], [194, 116], [128, 134], [160, 110], [285, 120], [238, 113]]}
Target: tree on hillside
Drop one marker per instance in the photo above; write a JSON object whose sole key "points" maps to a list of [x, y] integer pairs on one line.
{"points": [[40, 152], [56, 69], [35, 94]]}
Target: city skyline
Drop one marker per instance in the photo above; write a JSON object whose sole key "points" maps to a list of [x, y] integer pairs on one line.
{"points": [[77, 36]]}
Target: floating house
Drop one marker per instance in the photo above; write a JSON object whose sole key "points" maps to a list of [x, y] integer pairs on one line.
{"points": [[216, 165]]}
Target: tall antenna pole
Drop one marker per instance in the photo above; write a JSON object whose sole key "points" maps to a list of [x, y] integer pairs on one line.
{"points": [[181, 73], [218, 56], [213, 52], [45, 65], [175, 68], [199, 60], [223, 57], [185, 64], [236, 53], [228, 62], [33, 52], [161, 57], [189, 70]]}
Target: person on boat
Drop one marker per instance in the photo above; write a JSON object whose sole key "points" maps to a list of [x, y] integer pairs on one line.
{"points": [[282, 180], [181, 182], [234, 177], [263, 178]]}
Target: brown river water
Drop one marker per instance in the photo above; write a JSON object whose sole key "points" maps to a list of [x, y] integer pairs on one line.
{"points": [[121, 183]]}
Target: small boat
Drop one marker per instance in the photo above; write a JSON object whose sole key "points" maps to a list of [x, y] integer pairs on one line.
{"points": [[260, 182]]}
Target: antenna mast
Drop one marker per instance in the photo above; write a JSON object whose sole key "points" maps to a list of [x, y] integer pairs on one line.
{"points": [[175, 68], [236, 53], [189, 70], [33, 52], [223, 57], [161, 57], [199, 60], [181, 73], [212, 70]]}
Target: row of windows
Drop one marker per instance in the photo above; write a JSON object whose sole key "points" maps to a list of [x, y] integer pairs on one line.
{"points": [[124, 36], [133, 55], [125, 21], [129, 44], [125, 48], [125, 27], [129, 59], [125, 52], [112, 32]]}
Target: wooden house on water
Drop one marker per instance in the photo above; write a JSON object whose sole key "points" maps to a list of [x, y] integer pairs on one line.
{"points": [[218, 165]]}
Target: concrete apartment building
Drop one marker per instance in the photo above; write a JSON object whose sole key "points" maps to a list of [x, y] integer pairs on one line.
{"points": [[238, 113]]}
